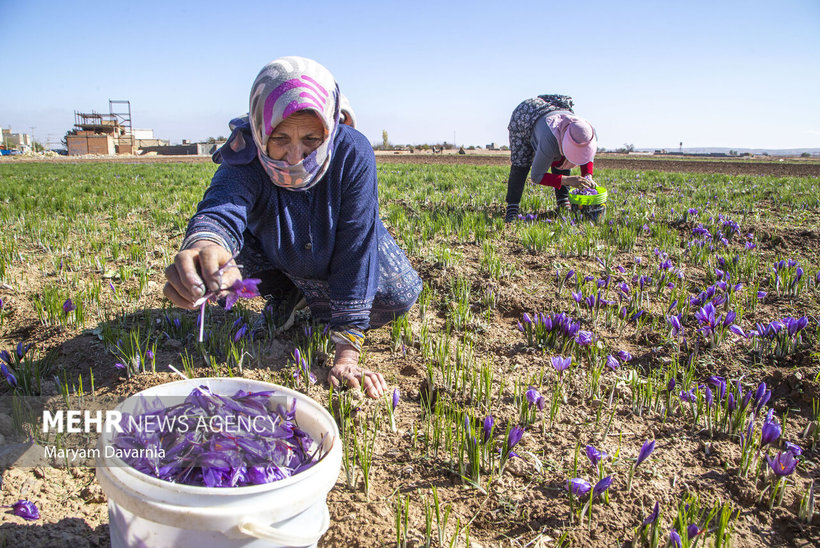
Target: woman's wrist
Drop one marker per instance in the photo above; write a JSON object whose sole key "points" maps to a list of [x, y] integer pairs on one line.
{"points": [[346, 353]]}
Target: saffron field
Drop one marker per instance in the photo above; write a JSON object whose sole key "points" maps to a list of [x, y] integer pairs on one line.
{"points": [[649, 380]]}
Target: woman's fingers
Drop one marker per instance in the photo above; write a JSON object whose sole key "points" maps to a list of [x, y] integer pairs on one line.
{"points": [[173, 295], [184, 279], [196, 271], [212, 259], [370, 382]]}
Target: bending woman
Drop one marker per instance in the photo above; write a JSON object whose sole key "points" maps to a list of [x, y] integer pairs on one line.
{"points": [[546, 135], [297, 197]]}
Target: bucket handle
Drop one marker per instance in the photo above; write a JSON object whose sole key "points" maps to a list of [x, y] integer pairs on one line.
{"points": [[266, 532]]}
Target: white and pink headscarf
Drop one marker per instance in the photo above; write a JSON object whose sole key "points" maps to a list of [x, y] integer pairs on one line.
{"points": [[285, 86], [575, 136]]}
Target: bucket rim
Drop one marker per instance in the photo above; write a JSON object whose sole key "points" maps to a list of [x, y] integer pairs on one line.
{"points": [[123, 467]]}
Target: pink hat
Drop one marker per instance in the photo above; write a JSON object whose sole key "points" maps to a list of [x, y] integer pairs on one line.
{"points": [[579, 143]]}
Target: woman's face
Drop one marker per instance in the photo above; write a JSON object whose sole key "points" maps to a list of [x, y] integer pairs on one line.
{"points": [[295, 137]]}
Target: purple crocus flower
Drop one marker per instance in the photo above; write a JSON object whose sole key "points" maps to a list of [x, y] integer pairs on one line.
{"points": [[692, 531], [688, 395], [719, 383], [770, 432], [119, 365], [515, 435], [10, 378], [651, 518], [594, 455], [708, 396], [26, 510], [612, 362], [764, 399], [584, 338], [795, 450], [532, 395], [240, 333], [561, 364], [601, 486], [624, 356], [783, 464], [68, 306], [761, 389], [674, 537], [674, 322], [670, 386], [246, 289], [488, 428], [578, 487], [645, 451], [577, 296], [395, 398]]}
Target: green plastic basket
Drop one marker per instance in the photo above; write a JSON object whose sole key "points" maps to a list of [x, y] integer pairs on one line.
{"points": [[589, 200]]}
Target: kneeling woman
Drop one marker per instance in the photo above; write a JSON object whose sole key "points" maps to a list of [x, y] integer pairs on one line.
{"points": [[297, 197]]}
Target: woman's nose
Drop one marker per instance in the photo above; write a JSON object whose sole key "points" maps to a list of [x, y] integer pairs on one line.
{"points": [[294, 155]]}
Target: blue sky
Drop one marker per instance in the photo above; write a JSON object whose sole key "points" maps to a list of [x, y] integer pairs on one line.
{"points": [[707, 73]]}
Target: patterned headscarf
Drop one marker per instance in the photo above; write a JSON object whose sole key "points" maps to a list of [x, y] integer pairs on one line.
{"points": [[285, 86]]}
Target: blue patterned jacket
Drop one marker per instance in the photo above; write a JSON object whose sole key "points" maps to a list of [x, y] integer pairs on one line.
{"points": [[329, 232]]}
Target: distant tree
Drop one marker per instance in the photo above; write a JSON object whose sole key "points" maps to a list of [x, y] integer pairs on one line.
{"points": [[626, 149], [601, 149], [385, 140], [806, 155], [732, 153], [38, 146]]}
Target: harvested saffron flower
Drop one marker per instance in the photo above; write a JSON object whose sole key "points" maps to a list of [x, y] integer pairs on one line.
{"points": [[213, 440], [26, 510]]}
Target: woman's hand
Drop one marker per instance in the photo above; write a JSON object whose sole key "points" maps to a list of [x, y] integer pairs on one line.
{"points": [[196, 271], [346, 369], [574, 181]]}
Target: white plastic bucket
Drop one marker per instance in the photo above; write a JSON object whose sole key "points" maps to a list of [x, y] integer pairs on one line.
{"points": [[147, 511]]}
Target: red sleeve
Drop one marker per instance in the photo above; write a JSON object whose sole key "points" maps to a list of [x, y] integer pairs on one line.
{"points": [[586, 169], [551, 179]]}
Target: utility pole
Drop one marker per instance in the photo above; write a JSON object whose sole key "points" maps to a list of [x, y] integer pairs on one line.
{"points": [[31, 135]]}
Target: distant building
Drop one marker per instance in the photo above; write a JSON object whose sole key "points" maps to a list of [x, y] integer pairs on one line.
{"points": [[112, 133], [21, 142]]}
